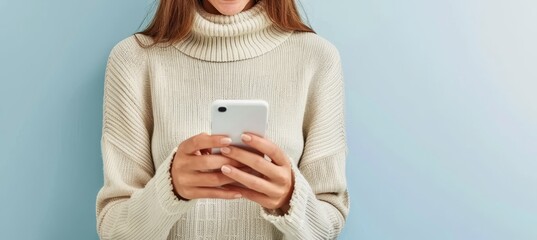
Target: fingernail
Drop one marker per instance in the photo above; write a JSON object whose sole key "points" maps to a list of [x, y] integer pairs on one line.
{"points": [[225, 140], [225, 150], [246, 137], [225, 169], [238, 195]]}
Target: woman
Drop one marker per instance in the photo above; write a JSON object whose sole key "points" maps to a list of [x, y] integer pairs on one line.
{"points": [[158, 86]]}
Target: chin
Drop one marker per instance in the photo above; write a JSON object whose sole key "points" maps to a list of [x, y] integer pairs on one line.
{"points": [[230, 8]]}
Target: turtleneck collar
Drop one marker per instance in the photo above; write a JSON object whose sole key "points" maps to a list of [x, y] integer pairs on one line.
{"points": [[221, 38]]}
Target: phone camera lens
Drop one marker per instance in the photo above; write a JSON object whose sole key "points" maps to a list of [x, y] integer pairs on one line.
{"points": [[222, 109]]}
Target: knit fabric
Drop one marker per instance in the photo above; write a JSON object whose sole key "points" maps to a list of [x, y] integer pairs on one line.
{"points": [[155, 98]]}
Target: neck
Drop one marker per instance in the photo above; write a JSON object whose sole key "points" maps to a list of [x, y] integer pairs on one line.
{"points": [[209, 7], [225, 38]]}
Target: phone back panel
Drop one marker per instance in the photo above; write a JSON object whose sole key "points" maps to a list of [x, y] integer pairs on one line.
{"points": [[239, 116]]}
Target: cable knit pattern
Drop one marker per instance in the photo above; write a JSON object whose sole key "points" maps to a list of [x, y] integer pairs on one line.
{"points": [[156, 98]]}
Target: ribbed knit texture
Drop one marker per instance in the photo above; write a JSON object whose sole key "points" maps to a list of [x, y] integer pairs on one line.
{"points": [[230, 38], [156, 98]]}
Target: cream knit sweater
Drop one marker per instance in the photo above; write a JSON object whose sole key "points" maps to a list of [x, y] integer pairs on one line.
{"points": [[157, 97]]}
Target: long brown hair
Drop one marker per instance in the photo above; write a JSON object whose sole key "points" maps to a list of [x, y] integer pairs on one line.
{"points": [[174, 18]]}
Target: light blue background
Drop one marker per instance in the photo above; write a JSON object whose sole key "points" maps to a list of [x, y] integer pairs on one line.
{"points": [[441, 114]]}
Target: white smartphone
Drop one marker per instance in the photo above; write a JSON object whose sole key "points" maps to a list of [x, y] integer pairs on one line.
{"points": [[233, 117]]}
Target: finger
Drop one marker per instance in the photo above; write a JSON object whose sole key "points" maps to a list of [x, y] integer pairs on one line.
{"points": [[209, 179], [210, 192], [266, 147], [250, 181], [253, 160], [203, 141], [207, 162], [257, 197]]}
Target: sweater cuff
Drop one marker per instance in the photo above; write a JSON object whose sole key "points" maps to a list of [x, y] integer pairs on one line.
{"points": [[292, 221], [164, 189]]}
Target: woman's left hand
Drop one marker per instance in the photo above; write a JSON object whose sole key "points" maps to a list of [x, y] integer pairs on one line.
{"points": [[273, 190]]}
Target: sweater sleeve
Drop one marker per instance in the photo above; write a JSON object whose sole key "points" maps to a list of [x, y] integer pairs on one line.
{"points": [[137, 199], [319, 204]]}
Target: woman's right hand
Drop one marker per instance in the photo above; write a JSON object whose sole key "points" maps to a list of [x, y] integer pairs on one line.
{"points": [[192, 164]]}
